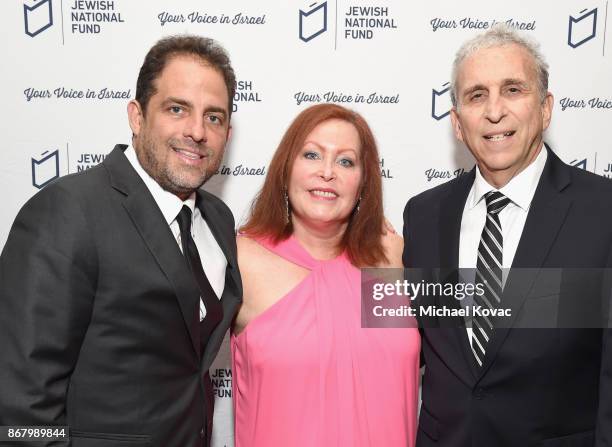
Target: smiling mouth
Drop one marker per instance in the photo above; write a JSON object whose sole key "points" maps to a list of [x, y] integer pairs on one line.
{"points": [[324, 194], [188, 154], [499, 136]]}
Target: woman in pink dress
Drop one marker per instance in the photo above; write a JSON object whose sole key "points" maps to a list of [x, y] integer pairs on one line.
{"points": [[305, 373]]}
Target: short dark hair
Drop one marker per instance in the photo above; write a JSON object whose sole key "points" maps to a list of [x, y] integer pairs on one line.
{"points": [[158, 56]]}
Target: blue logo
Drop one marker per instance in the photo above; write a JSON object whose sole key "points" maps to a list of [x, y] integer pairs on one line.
{"points": [[38, 17], [313, 22], [582, 29], [582, 164], [45, 169], [441, 102]]}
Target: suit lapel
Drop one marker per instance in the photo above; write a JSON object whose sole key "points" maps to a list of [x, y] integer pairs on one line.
{"points": [[451, 211], [547, 214], [150, 223]]}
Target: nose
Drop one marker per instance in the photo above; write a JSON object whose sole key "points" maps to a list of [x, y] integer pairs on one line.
{"points": [[195, 129], [495, 108], [328, 171]]}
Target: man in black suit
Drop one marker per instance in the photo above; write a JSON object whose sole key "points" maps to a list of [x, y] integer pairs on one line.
{"points": [[118, 284], [487, 385]]}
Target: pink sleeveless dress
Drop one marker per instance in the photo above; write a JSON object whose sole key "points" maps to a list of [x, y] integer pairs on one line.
{"points": [[306, 374]]}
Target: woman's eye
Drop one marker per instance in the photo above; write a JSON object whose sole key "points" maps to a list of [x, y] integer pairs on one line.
{"points": [[346, 162], [311, 155]]}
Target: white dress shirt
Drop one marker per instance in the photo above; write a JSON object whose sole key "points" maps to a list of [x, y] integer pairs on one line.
{"points": [[213, 260], [520, 191]]}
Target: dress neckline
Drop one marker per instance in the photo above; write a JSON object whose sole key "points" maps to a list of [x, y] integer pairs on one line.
{"points": [[292, 250]]}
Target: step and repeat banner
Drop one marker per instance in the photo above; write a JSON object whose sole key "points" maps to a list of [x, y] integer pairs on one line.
{"points": [[70, 67]]}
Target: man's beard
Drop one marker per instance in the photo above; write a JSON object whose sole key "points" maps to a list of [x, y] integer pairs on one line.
{"points": [[177, 182]]}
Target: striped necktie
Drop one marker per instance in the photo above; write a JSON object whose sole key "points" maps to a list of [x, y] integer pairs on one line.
{"points": [[489, 273]]}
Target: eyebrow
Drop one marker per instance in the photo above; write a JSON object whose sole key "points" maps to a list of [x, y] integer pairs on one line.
{"points": [[346, 149], [182, 102], [473, 89], [505, 83], [189, 104], [349, 150], [215, 109], [512, 81]]}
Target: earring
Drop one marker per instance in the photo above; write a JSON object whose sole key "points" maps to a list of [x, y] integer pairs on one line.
{"points": [[287, 214], [358, 205]]}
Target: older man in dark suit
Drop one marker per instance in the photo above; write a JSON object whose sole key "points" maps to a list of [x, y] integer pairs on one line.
{"points": [[117, 284], [488, 382]]}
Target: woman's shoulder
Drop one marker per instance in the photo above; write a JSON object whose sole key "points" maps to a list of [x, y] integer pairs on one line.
{"points": [[249, 249], [245, 243], [256, 253]]}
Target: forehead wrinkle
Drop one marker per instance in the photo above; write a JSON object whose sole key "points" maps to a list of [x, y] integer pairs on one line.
{"points": [[526, 64]]}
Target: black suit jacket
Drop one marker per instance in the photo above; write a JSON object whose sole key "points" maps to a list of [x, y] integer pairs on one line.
{"points": [[549, 387], [99, 320]]}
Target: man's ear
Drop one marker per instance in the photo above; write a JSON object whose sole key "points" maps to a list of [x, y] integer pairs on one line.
{"points": [[547, 107], [456, 124], [135, 116]]}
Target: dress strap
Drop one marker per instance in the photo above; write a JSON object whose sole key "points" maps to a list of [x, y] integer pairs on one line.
{"points": [[289, 249]]}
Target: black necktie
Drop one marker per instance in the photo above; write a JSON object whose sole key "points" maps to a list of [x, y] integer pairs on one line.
{"points": [[488, 272], [214, 311]]}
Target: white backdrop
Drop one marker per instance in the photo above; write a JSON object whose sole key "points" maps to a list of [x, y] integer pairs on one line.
{"points": [[70, 66]]}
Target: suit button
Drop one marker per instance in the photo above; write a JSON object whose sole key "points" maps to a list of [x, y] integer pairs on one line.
{"points": [[479, 393], [202, 433]]}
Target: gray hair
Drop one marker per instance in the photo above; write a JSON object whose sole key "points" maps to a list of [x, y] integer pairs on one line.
{"points": [[501, 34]]}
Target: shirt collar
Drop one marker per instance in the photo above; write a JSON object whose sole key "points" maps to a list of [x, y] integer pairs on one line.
{"points": [[169, 204], [520, 189]]}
